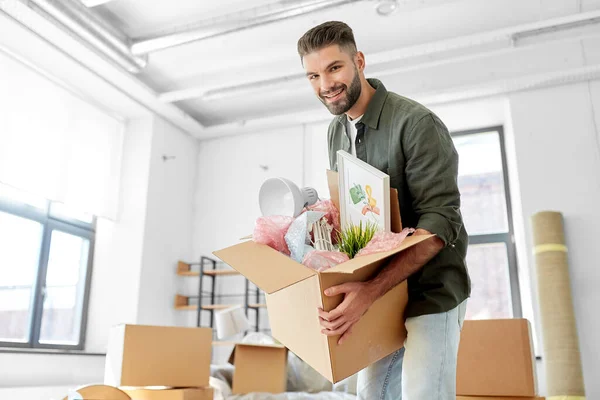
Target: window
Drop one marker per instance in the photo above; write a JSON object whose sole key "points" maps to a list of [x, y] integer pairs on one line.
{"points": [[485, 205], [45, 270]]}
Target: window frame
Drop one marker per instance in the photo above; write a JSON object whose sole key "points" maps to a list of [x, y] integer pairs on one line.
{"points": [[51, 222], [508, 238]]}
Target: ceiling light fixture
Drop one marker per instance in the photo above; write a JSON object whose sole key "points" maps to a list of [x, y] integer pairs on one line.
{"points": [[387, 7]]}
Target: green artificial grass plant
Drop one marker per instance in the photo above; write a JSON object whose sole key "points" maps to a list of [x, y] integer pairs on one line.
{"points": [[355, 237]]}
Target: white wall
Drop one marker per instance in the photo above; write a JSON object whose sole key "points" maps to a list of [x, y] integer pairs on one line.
{"points": [[119, 245], [558, 155], [169, 218]]}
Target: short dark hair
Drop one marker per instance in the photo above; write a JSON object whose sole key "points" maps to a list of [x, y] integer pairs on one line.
{"points": [[327, 34]]}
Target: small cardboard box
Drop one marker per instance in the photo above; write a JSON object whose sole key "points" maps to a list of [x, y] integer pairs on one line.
{"points": [[259, 368], [495, 358], [497, 398], [205, 393], [142, 355], [294, 292]]}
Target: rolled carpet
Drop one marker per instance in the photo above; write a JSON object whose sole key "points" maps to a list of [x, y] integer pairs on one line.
{"points": [[562, 358]]}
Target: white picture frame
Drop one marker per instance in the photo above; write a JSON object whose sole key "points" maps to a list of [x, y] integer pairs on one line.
{"points": [[364, 193]]}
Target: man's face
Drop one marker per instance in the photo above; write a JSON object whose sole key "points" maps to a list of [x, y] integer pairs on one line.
{"points": [[334, 77]]}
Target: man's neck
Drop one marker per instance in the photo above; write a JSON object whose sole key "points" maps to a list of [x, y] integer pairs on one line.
{"points": [[360, 107]]}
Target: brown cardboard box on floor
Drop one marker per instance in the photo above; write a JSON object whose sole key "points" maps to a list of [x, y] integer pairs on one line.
{"points": [[293, 293], [259, 368], [495, 358], [497, 398], [142, 355], [205, 393]]}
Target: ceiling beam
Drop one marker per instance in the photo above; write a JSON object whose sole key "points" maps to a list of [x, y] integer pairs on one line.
{"points": [[42, 43], [430, 99], [236, 22], [412, 56], [94, 3]]}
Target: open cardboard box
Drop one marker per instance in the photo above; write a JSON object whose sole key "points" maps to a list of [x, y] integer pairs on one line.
{"points": [[259, 368], [294, 292]]}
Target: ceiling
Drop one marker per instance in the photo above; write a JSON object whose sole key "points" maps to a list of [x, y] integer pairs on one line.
{"points": [[433, 50]]}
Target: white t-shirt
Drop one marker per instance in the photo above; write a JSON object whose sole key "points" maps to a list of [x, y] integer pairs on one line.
{"points": [[351, 129]]}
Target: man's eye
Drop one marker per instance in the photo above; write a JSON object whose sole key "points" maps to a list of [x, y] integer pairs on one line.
{"points": [[335, 68], [312, 77]]}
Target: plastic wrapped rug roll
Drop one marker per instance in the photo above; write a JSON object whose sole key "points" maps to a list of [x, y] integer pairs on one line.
{"points": [[562, 359]]}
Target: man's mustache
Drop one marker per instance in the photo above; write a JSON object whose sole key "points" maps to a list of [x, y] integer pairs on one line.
{"points": [[322, 94]]}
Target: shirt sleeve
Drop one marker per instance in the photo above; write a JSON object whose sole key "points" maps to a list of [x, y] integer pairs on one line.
{"points": [[330, 149], [431, 175]]}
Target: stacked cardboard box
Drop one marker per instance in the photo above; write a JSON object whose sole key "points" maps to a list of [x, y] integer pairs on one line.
{"points": [[496, 361], [160, 362], [259, 368]]}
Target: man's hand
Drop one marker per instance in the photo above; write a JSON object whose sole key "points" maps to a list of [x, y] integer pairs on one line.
{"points": [[358, 297]]}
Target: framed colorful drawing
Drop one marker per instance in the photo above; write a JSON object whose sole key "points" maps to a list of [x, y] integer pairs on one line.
{"points": [[364, 193]]}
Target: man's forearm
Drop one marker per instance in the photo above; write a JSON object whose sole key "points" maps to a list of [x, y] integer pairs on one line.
{"points": [[405, 264]]}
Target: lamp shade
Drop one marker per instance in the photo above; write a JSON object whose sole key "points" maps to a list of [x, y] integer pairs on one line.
{"points": [[231, 321], [280, 196]]}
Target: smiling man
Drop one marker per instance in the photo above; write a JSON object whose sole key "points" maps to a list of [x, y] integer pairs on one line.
{"points": [[411, 144]]}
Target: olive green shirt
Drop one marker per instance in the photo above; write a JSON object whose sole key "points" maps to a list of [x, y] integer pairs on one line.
{"points": [[410, 143]]}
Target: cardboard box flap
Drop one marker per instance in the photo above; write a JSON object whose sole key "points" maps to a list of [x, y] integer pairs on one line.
{"points": [[231, 359], [359, 262], [266, 268]]}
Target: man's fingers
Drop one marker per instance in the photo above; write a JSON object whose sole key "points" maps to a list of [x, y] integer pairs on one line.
{"points": [[337, 331], [346, 334], [333, 314], [338, 289], [332, 325]]}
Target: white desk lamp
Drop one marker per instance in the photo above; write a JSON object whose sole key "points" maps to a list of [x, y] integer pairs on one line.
{"points": [[280, 196], [231, 321]]}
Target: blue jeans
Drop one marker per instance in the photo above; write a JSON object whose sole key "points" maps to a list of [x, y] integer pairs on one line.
{"points": [[425, 368]]}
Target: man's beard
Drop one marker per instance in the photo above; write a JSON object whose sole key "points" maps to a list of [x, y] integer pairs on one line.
{"points": [[346, 102]]}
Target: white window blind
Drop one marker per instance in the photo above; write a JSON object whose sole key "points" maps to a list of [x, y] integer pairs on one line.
{"points": [[54, 144]]}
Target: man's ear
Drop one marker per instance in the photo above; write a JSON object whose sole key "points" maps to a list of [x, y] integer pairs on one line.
{"points": [[359, 61]]}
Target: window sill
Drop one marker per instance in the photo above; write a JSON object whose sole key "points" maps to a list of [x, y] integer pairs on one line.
{"points": [[16, 350]]}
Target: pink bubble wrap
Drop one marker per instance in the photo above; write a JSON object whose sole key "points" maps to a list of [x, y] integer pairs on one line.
{"points": [[384, 241], [271, 231], [320, 260], [331, 213]]}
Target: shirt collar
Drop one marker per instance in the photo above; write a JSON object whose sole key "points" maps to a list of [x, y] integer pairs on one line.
{"points": [[372, 115]]}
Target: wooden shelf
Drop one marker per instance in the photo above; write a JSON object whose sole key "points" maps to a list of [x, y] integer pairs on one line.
{"points": [[220, 272], [217, 306], [188, 273], [185, 269], [183, 303], [187, 307]]}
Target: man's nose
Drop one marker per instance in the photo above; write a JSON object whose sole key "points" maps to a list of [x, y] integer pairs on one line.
{"points": [[326, 84]]}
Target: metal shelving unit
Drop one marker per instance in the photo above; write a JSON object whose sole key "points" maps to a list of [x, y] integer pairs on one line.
{"points": [[207, 269]]}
